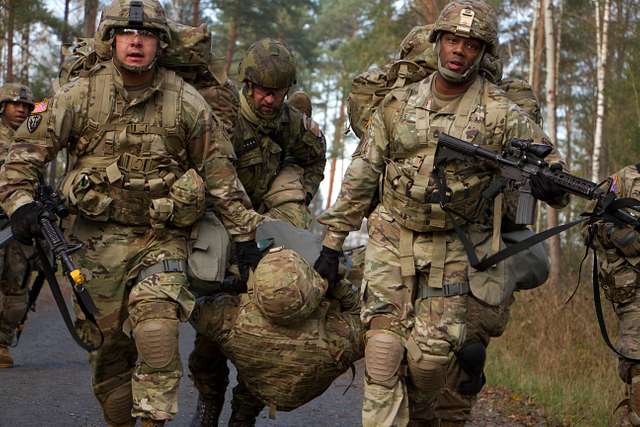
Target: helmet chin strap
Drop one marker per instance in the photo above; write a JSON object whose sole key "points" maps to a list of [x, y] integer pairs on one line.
{"points": [[452, 76]]}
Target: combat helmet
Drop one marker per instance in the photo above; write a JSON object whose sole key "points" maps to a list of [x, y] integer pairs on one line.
{"points": [[15, 92], [285, 287], [268, 63], [469, 18], [138, 14]]}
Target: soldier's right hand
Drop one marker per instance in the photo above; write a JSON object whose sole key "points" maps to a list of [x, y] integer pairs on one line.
{"points": [[327, 265], [247, 256], [24, 222]]}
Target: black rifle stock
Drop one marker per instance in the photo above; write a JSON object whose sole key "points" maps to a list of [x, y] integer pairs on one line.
{"points": [[518, 163]]}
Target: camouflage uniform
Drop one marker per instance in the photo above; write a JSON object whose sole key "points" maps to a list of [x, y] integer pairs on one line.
{"points": [[417, 281], [280, 163], [131, 152], [618, 257], [287, 341], [14, 263]]}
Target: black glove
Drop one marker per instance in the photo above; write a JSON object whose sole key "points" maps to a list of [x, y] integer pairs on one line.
{"points": [[247, 256], [24, 222], [542, 188], [327, 265]]}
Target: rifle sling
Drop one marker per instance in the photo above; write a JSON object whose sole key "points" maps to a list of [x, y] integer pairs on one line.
{"points": [[49, 274], [597, 303]]}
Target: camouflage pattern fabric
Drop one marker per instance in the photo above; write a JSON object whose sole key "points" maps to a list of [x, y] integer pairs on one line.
{"points": [[14, 267], [16, 92], [301, 102], [268, 63], [393, 142], [283, 367], [261, 146], [133, 158], [620, 281]]}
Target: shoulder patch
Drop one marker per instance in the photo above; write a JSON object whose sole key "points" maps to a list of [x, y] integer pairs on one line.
{"points": [[33, 121], [312, 126], [40, 107]]}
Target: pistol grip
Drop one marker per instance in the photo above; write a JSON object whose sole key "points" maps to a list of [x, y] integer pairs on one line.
{"points": [[526, 213]]}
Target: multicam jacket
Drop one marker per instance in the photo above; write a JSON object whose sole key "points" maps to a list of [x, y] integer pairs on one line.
{"points": [[127, 150]]}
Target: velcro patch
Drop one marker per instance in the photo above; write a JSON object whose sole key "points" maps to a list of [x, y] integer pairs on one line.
{"points": [[40, 107], [312, 126], [33, 121]]}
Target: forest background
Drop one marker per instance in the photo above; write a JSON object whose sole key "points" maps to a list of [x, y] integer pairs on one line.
{"points": [[582, 58]]}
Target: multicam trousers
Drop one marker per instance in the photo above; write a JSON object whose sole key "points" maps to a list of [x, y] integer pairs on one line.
{"points": [[13, 288], [431, 327], [137, 370]]}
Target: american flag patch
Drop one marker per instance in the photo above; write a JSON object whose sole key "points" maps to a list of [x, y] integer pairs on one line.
{"points": [[615, 184], [40, 107]]}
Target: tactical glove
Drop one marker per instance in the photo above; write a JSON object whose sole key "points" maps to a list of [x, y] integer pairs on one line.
{"points": [[542, 188], [24, 222], [247, 256], [327, 265]]}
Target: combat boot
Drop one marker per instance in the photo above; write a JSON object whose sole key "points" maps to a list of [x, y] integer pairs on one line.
{"points": [[207, 413], [238, 419], [451, 423], [148, 422], [6, 361]]}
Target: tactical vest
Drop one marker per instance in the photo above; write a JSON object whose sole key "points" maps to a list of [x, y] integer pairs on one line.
{"points": [[123, 164], [286, 367], [408, 190]]}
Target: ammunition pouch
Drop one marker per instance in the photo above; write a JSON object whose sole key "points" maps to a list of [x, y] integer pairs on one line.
{"points": [[412, 198], [101, 189], [618, 281]]}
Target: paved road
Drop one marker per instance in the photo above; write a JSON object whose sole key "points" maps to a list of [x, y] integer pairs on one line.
{"points": [[51, 385]]}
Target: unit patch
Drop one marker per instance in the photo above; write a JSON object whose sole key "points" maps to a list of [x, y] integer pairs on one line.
{"points": [[33, 121]]}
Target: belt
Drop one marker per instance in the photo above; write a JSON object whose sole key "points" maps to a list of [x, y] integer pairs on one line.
{"points": [[164, 266], [447, 290]]}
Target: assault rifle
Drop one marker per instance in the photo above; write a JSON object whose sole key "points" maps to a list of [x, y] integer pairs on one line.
{"points": [[516, 164], [521, 160], [50, 247]]}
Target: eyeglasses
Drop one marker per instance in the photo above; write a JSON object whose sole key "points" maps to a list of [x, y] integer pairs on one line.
{"points": [[132, 32], [264, 91]]}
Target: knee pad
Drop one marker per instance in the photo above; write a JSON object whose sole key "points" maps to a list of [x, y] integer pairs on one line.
{"points": [[382, 357], [157, 341], [118, 404], [428, 374], [12, 309], [471, 358], [634, 397]]}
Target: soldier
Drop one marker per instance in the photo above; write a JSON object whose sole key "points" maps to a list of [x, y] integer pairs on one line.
{"points": [[281, 159], [417, 279], [146, 149], [618, 249], [272, 334], [16, 102]]}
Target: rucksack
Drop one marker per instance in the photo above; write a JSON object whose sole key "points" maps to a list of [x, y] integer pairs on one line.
{"points": [[189, 55], [417, 61]]}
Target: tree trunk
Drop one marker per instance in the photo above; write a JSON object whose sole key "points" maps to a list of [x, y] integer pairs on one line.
{"points": [[428, 10], [602, 51], [65, 33], [10, 24], [25, 54], [336, 150], [552, 214], [90, 14], [196, 13], [232, 37], [533, 39], [536, 81]]}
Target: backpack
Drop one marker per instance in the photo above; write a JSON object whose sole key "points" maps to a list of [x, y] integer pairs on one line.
{"points": [[189, 55], [417, 61]]}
